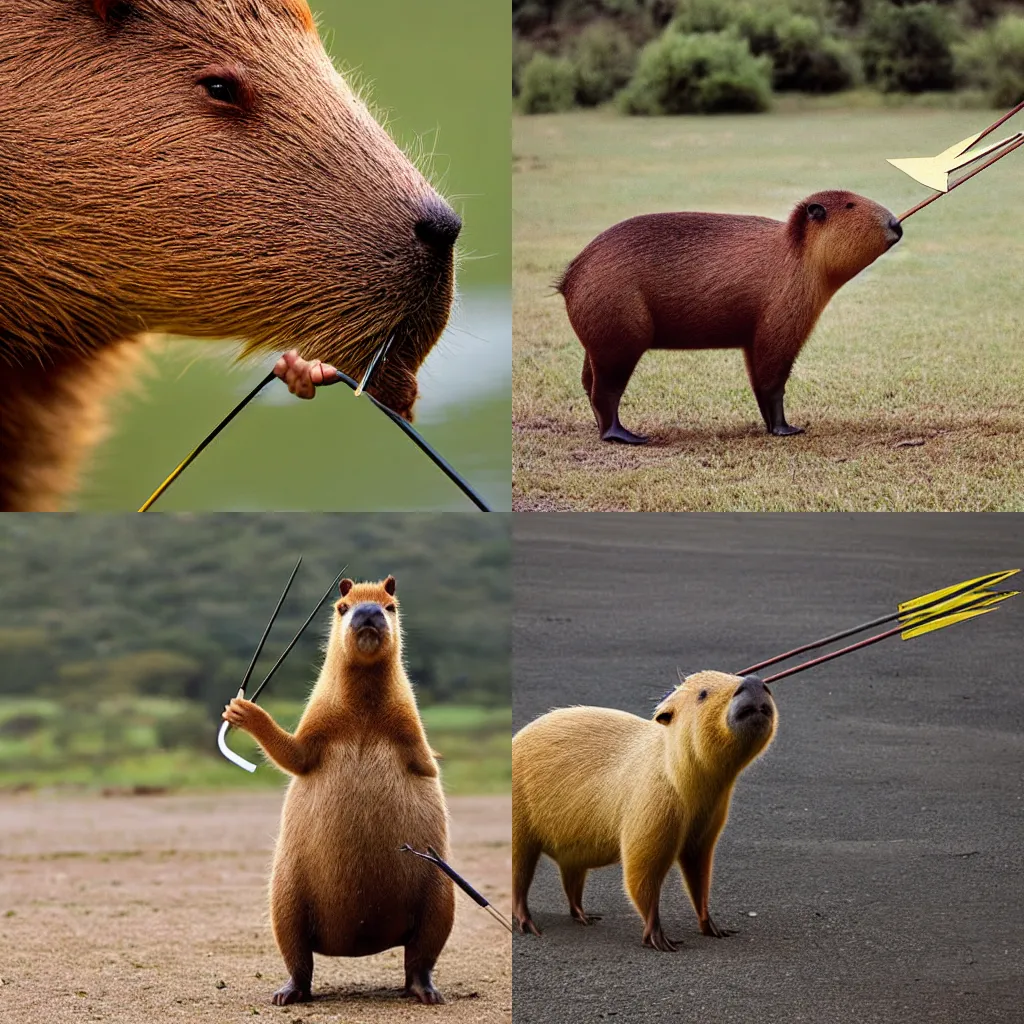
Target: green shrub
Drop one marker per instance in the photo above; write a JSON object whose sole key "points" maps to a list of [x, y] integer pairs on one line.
{"points": [[604, 57], [909, 49], [698, 74], [803, 57], [548, 85], [704, 15], [522, 54], [994, 61]]}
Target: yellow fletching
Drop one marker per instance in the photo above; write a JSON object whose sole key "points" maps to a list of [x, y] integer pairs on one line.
{"points": [[926, 623], [968, 587]]}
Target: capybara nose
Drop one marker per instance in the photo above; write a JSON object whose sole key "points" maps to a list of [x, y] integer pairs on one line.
{"points": [[896, 228], [439, 225], [369, 615], [751, 697]]}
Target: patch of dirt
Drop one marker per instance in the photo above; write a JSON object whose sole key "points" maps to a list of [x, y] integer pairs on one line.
{"points": [[140, 910]]}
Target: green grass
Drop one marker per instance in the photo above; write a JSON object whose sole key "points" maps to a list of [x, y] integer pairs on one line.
{"points": [[912, 385], [116, 744]]}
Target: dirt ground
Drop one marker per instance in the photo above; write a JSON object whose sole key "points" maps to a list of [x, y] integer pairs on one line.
{"points": [[139, 909]]}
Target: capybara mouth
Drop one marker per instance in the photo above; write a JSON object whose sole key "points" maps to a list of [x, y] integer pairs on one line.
{"points": [[752, 714], [368, 639]]}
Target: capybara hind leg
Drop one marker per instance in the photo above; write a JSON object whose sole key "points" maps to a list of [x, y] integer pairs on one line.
{"points": [[425, 944], [290, 922], [587, 377], [610, 380], [525, 854], [768, 373], [696, 867], [573, 880]]}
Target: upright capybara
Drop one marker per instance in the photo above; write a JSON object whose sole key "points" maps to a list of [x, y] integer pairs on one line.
{"points": [[707, 280], [594, 786], [192, 167], [365, 782]]}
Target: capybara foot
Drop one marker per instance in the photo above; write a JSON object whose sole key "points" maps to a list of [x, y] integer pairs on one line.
{"points": [[709, 928], [784, 430], [420, 986], [292, 992], [581, 917], [525, 924], [617, 432], [656, 939], [302, 376]]}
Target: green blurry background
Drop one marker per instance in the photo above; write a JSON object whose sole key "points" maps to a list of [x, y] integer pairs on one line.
{"points": [[121, 638], [439, 71]]}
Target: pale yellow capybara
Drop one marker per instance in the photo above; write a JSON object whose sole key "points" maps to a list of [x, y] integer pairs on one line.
{"points": [[365, 783], [198, 168], [594, 786], [715, 280]]}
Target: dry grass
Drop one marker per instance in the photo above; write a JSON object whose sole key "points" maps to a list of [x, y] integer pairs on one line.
{"points": [[912, 386]]}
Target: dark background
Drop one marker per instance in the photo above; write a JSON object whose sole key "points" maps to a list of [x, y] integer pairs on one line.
{"points": [[879, 841]]}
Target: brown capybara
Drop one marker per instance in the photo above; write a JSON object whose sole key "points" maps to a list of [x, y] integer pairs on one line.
{"points": [[199, 168], [594, 786], [707, 280], [365, 783]]}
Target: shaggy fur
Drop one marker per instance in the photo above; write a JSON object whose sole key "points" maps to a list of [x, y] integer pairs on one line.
{"points": [[593, 786], [365, 782], [132, 200], [704, 280]]}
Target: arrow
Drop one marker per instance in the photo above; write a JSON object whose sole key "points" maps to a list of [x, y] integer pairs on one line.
{"points": [[945, 614], [435, 858], [937, 600], [222, 734]]}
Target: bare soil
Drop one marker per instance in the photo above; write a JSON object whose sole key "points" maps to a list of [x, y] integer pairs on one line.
{"points": [[153, 908]]}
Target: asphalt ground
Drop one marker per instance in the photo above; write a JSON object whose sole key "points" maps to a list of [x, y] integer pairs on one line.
{"points": [[879, 842]]}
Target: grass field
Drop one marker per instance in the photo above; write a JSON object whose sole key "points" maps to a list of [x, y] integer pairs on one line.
{"points": [[911, 387], [171, 744]]}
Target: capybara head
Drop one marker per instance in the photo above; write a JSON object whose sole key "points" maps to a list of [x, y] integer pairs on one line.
{"points": [[368, 623], [841, 233], [199, 167], [719, 721]]}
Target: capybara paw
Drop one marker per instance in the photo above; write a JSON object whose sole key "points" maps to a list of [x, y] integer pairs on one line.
{"points": [[524, 924], [243, 713], [302, 376], [581, 917], [424, 992], [621, 435], [785, 430], [289, 993], [658, 940]]}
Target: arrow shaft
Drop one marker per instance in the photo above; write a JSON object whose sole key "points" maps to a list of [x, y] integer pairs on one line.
{"points": [[270, 625], [995, 124]]}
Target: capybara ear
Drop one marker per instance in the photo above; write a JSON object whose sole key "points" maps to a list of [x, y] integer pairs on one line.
{"points": [[389, 584], [816, 211], [665, 718], [113, 11], [345, 586]]}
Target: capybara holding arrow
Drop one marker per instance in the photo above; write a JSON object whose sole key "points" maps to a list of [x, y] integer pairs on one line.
{"points": [[707, 280], [193, 168], [365, 783]]}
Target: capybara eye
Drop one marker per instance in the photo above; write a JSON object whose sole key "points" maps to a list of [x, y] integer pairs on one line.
{"points": [[850, 206], [389, 608], [342, 608], [703, 695], [220, 89]]}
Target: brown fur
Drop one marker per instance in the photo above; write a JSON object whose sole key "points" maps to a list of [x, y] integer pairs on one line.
{"points": [[593, 786], [704, 280], [132, 201], [365, 782]]}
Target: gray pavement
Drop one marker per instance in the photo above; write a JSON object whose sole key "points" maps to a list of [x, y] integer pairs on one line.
{"points": [[880, 842]]}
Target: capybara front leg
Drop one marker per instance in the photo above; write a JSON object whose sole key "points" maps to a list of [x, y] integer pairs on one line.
{"points": [[696, 867], [573, 880], [644, 877], [525, 854], [768, 373], [425, 944], [290, 922], [610, 380]]}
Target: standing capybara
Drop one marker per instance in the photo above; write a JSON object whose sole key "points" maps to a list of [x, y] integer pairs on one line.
{"points": [[595, 786], [707, 280], [192, 167], [365, 782]]}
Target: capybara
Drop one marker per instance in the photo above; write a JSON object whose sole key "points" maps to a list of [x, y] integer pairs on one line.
{"points": [[199, 168], [365, 783], [710, 280], [594, 786]]}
